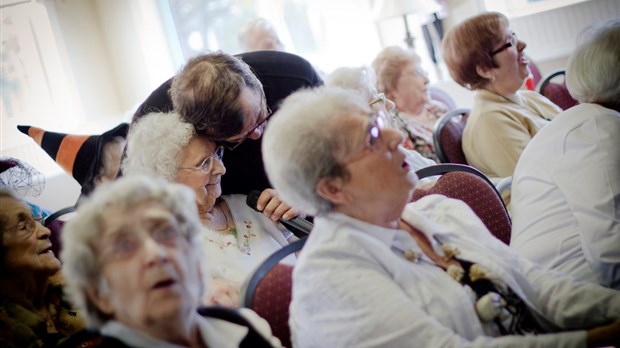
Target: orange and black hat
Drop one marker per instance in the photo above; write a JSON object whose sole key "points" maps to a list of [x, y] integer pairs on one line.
{"points": [[78, 155]]}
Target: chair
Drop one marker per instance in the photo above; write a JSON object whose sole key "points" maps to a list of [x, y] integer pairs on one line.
{"points": [[54, 223], [471, 186], [442, 96], [536, 75], [268, 291], [447, 134], [557, 91]]}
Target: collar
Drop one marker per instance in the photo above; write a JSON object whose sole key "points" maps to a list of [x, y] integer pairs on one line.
{"points": [[214, 332], [392, 238]]}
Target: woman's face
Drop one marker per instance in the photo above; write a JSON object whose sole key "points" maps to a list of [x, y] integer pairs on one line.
{"points": [[206, 185], [151, 273], [411, 94], [378, 172], [26, 243], [512, 65]]}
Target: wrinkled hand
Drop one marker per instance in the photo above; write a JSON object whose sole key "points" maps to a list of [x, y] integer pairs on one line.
{"points": [[272, 206], [608, 335], [222, 292]]}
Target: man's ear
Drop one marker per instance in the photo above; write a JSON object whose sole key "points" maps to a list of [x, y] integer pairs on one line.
{"points": [[100, 297], [485, 72], [331, 190]]}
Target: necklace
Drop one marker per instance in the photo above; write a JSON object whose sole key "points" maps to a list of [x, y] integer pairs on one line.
{"points": [[228, 225]]}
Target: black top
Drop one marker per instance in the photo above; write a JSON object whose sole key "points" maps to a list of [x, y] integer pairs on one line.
{"points": [[253, 339], [281, 74]]}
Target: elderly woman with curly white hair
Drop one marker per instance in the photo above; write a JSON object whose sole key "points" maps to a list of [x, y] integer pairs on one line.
{"points": [[378, 271], [235, 237], [133, 265], [566, 186]]}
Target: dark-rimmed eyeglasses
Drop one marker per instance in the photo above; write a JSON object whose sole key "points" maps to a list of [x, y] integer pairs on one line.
{"points": [[511, 42], [231, 145], [206, 166], [373, 133]]}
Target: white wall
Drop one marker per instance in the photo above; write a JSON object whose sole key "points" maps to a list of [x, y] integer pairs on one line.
{"points": [[105, 56]]}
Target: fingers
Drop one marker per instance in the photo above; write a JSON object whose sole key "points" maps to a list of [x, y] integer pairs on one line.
{"points": [[273, 207]]}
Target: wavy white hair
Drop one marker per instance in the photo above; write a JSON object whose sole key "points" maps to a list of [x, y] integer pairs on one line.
{"points": [[361, 79], [592, 74], [155, 144], [83, 233], [296, 160]]}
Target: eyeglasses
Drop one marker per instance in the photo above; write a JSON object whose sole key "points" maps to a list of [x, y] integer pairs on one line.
{"points": [[231, 145], [206, 166], [390, 107], [511, 42], [26, 226], [373, 133], [125, 245]]}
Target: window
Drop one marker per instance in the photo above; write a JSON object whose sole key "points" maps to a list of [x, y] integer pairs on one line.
{"points": [[328, 33], [518, 8]]}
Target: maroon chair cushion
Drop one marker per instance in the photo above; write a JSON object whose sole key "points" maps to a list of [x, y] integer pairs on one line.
{"points": [[558, 93], [480, 197], [450, 139], [272, 299]]}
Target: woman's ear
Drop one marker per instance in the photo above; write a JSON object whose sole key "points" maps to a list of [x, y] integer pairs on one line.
{"points": [[485, 72], [99, 296], [331, 190]]}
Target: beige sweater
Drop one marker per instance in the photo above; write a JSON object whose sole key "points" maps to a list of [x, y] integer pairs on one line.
{"points": [[498, 129]]}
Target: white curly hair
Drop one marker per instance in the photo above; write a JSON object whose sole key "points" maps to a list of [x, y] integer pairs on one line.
{"points": [[81, 234], [155, 144]]}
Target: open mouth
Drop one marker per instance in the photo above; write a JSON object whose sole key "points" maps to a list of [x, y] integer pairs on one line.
{"points": [[405, 166], [163, 284], [46, 250]]}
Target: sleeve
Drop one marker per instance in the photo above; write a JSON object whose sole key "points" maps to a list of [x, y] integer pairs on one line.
{"points": [[362, 306], [260, 325], [592, 155]]}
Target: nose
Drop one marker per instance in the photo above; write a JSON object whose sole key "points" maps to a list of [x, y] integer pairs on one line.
{"points": [[521, 45], [154, 252], [42, 231], [393, 138], [218, 167]]}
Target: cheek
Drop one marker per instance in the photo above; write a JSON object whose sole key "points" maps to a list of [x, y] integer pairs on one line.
{"points": [[196, 181], [126, 296]]}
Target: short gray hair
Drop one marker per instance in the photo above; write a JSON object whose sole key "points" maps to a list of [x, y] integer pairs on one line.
{"points": [[155, 144], [206, 93], [592, 74], [82, 233], [361, 79], [304, 142]]}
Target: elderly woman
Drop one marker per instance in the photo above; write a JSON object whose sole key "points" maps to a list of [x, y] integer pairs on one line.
{"points": [[235, 237], [363, 81], [566, 186], [484, 55], [378, 271], [133, 266], [33, 312], [403, 80]]}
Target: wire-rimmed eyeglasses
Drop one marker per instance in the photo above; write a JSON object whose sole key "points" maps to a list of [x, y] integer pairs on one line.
{"points": [[231, 145], [206, 166], [373, 133]]}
